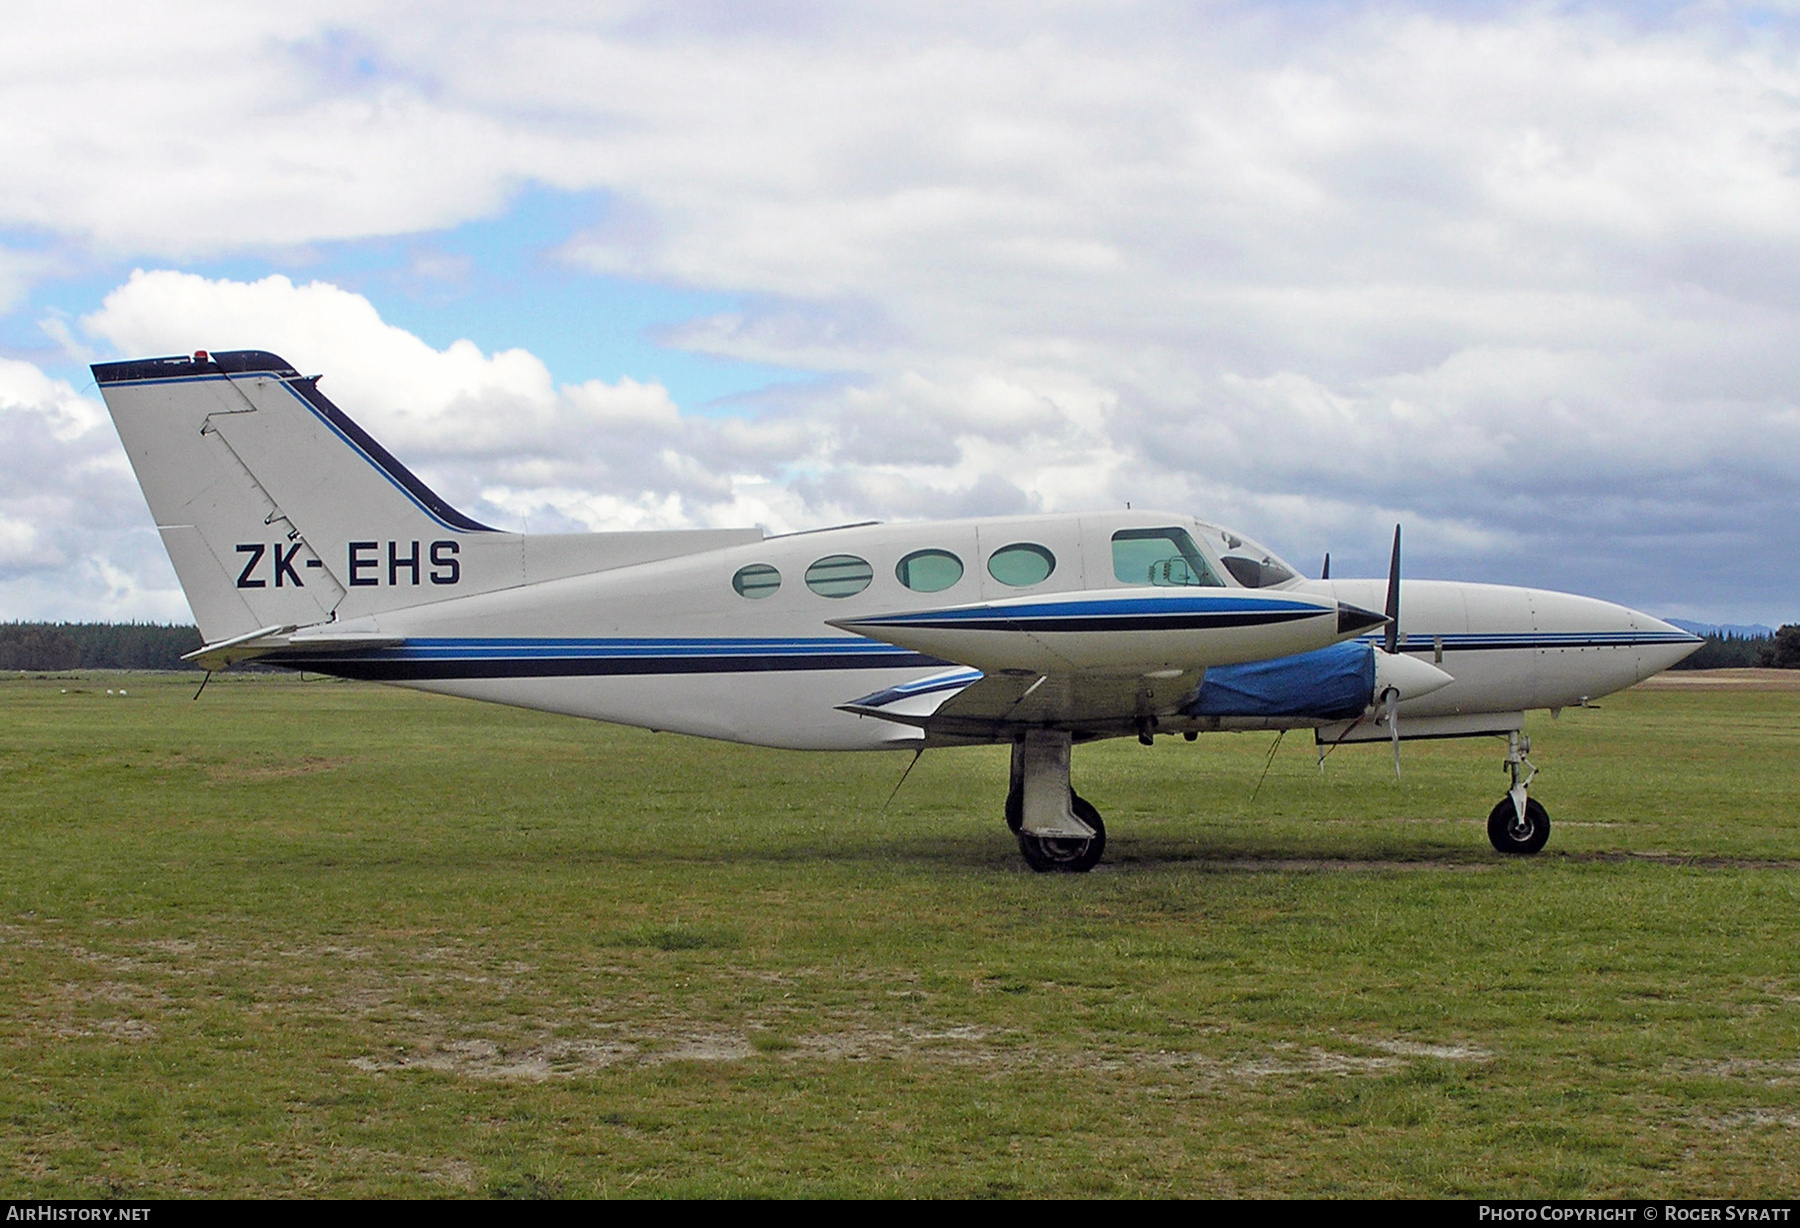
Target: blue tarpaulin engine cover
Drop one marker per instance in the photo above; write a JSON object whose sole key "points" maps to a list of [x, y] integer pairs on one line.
{"points": [[1334, 684]]}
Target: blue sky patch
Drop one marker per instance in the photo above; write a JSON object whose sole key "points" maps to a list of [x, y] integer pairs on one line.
{"points": [[496, 282]]}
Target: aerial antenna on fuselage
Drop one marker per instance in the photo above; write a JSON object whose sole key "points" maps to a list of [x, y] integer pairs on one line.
{"points": [[1325, 568]]}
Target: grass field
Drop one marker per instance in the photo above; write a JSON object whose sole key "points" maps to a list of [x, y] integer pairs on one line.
{"points": [[318, 938]]}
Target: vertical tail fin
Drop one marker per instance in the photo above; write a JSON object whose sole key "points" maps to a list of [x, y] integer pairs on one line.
{"points": [[276, 508]]}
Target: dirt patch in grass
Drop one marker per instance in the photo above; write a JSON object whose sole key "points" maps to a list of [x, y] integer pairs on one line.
{"points": [[1763, 1070], [483, 1059], [307, 765], [1752, 1118], [486, 1059], [943, 1045], [956, 1045], [1413, 1048]]}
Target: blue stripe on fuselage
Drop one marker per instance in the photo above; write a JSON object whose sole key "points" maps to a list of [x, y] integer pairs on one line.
{"points": [[434, 658], [527, 657]]}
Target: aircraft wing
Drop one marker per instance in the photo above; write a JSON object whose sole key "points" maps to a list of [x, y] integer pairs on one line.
{"points": [[1097, 663], [964, 705]]}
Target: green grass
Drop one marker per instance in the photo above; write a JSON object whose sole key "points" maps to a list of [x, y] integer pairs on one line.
{"points": [[308, 937]]}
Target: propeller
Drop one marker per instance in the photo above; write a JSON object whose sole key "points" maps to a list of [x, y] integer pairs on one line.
{"points": [[1390, 698], [1393, 599]]}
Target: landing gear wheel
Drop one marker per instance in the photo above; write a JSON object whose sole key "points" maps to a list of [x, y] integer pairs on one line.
{"points": [[1508, 835], [1057, 854]]}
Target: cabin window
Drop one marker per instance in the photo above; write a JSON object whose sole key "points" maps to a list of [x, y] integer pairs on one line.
{"points": [[757, 580], [839, 575], [929, 571], [1021, 563], [1166, 558]]}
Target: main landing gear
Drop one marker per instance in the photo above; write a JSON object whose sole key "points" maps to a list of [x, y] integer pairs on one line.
{"points": [[1058, 831], [1519, 825]]}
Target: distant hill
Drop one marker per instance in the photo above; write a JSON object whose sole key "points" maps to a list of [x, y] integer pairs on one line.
{"points": [[1742, 631]]}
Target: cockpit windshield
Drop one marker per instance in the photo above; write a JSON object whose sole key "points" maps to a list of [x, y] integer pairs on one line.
{"points": [[1249, 564]]}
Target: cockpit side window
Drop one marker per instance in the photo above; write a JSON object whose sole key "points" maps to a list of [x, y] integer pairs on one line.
{"points": [[1163, 557]]}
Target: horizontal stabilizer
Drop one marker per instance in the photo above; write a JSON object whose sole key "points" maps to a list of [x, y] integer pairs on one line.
{"points": [[288, 641]]}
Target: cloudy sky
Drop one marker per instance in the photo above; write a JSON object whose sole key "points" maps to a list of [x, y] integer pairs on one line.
{"points": [[1523, 277]]}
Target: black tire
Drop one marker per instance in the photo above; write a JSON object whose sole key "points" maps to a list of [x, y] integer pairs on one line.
{"points": [[1509, 836], [1057, 855]]}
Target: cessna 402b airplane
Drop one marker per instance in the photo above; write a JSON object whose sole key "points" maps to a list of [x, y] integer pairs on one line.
{"points": [[301, 542]]}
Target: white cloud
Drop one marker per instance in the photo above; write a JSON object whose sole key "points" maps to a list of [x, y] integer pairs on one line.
{"points": [[75, 538], [493, 433], [1524, 278]]}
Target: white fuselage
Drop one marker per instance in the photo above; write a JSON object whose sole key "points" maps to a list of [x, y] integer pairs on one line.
{"points": [[673, 645]]}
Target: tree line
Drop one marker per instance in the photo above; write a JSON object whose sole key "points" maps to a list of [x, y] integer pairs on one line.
{"points": [[1778, 651], [52, 646]]}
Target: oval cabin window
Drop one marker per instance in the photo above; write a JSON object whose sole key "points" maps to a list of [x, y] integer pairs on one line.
{"points": [[839, 575], [1021, 563], [756, 580], [929, 571]]}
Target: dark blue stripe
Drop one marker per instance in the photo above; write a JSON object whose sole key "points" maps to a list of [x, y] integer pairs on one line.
{"points": [[470, 648], [1090, 608], [1128, 622], [375, 667]]}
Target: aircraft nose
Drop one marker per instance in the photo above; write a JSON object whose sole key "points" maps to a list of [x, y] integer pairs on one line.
{"points": [[1660, 644], [1353, 618]]}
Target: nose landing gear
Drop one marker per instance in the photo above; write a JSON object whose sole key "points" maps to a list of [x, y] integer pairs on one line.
{"points": [[1519, 825]]}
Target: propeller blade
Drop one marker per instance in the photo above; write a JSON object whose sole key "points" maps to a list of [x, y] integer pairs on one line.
{"points": [[1325, 571], [1393, 598]]}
